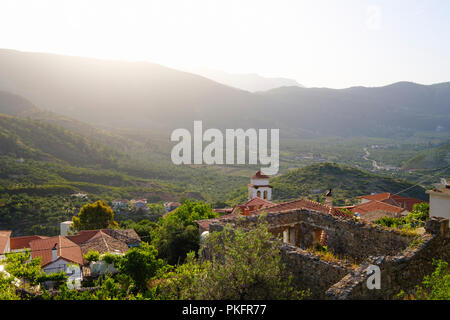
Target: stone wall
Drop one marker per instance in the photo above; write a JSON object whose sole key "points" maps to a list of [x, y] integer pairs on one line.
{"points": [[403, 259], [309, 272], [400, 272], [345, 236]]}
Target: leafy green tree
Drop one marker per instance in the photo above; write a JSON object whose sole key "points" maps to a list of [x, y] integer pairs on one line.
{"points": [[174, 240], [7, 289], [141, 264], [20, 265], [92, 255], [390, 222], [110, 258], [67, 294], [58, 278], [143, 228], [181, 283], [110, 290], [191, 211], [94, 216], [178, 233], [246, 266], [243, 265], [419, 215], [434, 287], [415, 219]]}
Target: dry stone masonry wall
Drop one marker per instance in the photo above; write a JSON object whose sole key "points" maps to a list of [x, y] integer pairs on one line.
{"points": [[404, 259]]}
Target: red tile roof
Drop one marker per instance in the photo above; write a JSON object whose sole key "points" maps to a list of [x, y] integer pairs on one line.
{"points": [[66, 249], [393, 199], [372, 216], [376, 206], [259, 175], [102, 243], [4, 238], [138, 200], [82, 236], [253, 205], [304, 204], [270, 207], [128, 236], [19, 243], [407, 203], [258, 202], [377, 196]]}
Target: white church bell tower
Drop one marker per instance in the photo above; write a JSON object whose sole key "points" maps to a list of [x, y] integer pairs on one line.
{"points": [[259, 187]]}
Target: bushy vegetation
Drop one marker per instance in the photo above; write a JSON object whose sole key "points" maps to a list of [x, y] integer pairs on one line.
{"points": [[242, 265], [92, 256], [415, 219], [434, 287], [177, 234]]}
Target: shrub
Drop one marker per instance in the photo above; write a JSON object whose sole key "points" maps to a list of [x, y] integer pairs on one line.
{"points": [[434, 287], [92, 255]]}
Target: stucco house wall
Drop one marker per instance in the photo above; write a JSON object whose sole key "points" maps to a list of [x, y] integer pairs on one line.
{"points": [[72, 270]]}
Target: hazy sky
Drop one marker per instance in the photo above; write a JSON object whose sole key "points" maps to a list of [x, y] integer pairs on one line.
{"points": [[324, 43]]}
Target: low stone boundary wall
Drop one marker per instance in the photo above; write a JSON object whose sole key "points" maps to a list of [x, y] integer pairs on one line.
{"points": [[400, 272], [404, 259], [309, 272], [344, 236]]}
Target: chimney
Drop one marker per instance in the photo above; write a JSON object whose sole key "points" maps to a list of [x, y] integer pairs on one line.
{"points": [[54, 253], [65, 227], [329, 198]]}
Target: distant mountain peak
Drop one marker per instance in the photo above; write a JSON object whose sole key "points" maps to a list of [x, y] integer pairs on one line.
{"points": [[252, 82]]}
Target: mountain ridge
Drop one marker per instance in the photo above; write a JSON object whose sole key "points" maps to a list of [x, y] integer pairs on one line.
{"points": [[145, 95]]}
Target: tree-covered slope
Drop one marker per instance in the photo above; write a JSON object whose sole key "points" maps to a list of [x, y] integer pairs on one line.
{"points": [[346, 182], [40, 140], [430, 159], [13, 104]]}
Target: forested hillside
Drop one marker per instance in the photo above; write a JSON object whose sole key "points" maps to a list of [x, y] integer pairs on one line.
{"points": [[430, 159], [346, 182]]}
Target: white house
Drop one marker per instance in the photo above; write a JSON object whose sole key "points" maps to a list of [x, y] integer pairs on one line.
{"points": [[440, 200], [140, 204], [60, 254], [120, 204]]}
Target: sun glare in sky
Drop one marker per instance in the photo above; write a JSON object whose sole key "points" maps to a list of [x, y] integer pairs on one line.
{"points": [[324, 43]]}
